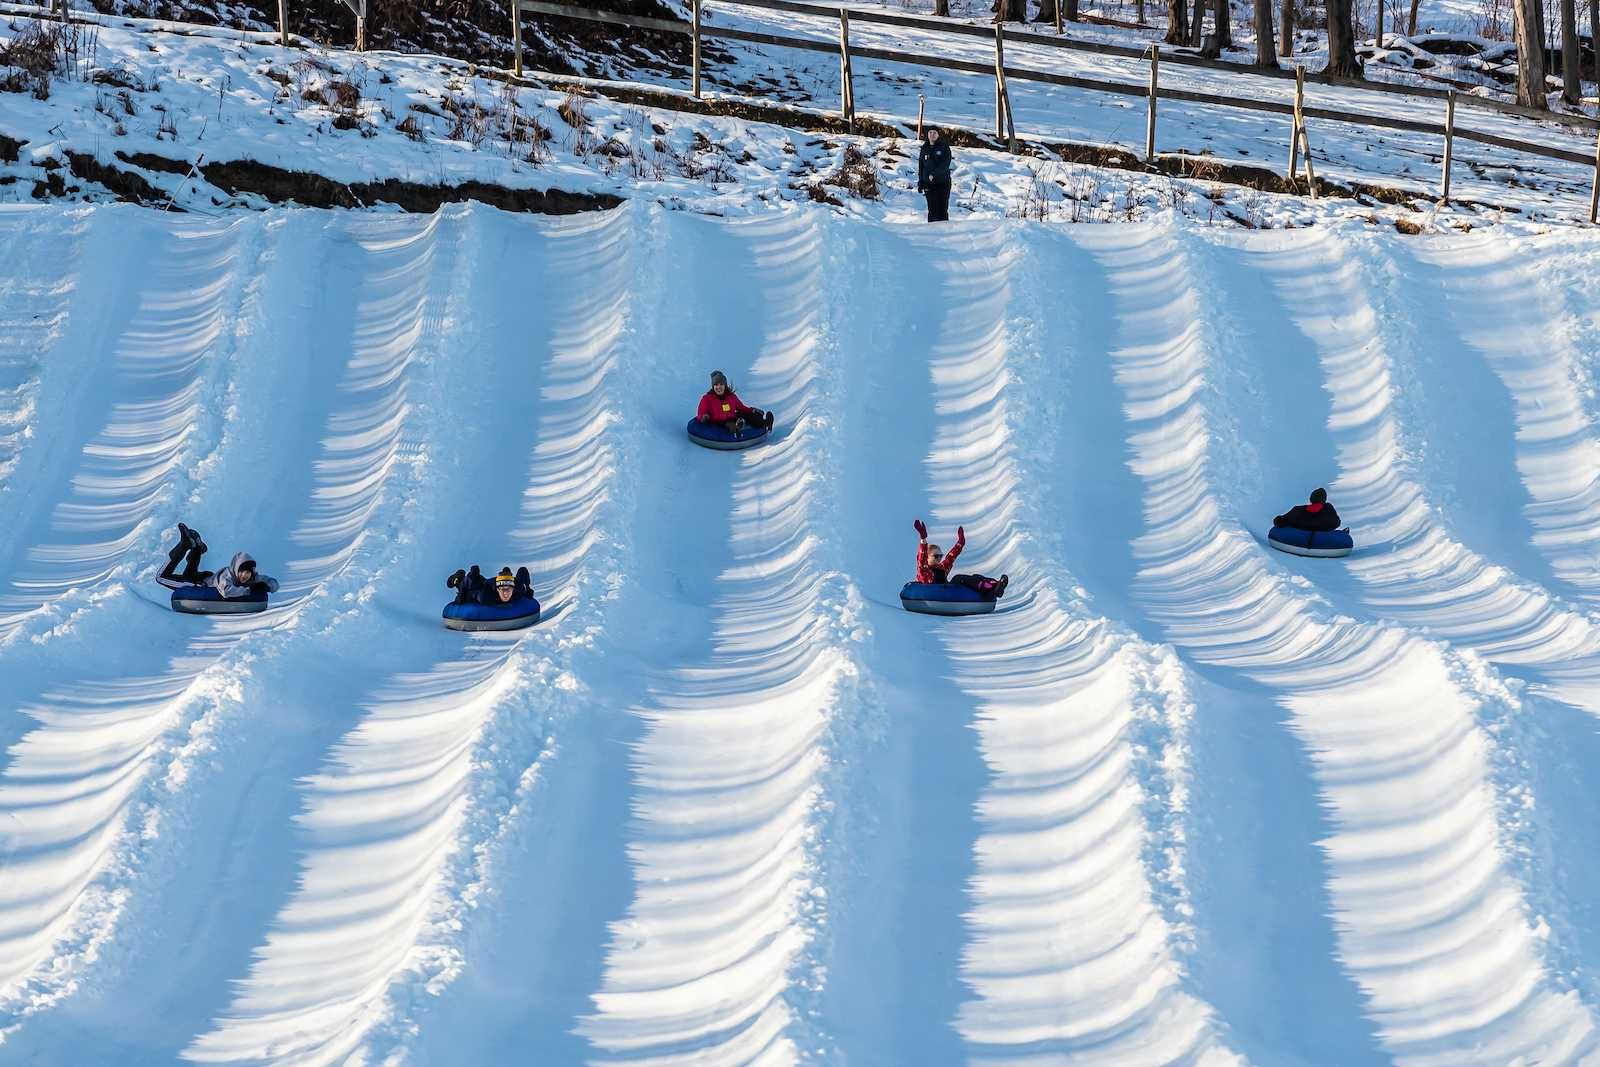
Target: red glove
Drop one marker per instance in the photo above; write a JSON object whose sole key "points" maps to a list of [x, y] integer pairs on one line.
{"points": [[922, 531], [961, 535]]}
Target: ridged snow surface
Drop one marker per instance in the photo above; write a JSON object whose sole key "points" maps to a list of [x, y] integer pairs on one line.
{"points": [[1182, 800]]}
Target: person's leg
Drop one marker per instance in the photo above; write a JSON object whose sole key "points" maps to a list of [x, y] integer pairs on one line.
{"points": [[931, 197], [941, 201], [191, 570], [168, 576]]}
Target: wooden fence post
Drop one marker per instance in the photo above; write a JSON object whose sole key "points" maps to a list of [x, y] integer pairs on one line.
{"points": [[283, 23], [1002, 98], [1058, 15], [695, 6], [1300, 134], [1150, 123], [847, 97], [1449, 141], [922, 102], [1594, 191]]}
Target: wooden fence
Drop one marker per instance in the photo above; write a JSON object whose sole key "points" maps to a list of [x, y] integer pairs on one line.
{"points": [[1298, 112]]}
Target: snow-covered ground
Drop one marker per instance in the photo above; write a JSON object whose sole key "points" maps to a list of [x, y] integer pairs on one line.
{"points": [[144, 103], [1183, 800]]}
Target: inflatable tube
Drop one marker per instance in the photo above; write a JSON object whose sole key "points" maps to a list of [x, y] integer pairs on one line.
{"points": [[943, 600], [1311, 543], [204, 600], [717, 437], [512, 616]]}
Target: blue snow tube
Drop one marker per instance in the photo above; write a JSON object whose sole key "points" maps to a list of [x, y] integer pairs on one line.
{"points": [[717, 437], [512, 616], [204, 600], [1311, 542], [927, 599]]}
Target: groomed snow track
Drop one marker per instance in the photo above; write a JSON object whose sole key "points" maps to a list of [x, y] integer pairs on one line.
{"points": [[1185, 801]]}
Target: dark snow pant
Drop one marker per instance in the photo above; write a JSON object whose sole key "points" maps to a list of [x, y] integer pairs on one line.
{"points": [[978, 583], [938, 194], [752, 418], [192, 574]]}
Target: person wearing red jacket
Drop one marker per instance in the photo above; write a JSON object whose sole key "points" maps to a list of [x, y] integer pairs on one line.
{"points": [[722, 407], [933, 567]]}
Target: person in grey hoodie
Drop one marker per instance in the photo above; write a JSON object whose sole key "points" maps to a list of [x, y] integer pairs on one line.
{"points": [[933, 175], [239, 578]]}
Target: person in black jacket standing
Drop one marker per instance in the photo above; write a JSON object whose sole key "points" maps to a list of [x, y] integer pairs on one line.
{"points": [[933, 175]]}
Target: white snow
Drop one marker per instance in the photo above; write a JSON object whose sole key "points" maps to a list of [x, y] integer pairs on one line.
{"points": [[1182, 800]]}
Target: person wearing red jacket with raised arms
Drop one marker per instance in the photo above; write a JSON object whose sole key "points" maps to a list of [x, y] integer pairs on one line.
{"points": [[934, 568], [722, 407]]}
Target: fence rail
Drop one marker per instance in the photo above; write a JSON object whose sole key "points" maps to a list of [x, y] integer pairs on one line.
{"points": [[1001, 71]]}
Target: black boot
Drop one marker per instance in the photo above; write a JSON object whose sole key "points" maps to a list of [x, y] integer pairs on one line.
{"points": [[769, 422], [738, 428], [1000, 590]]}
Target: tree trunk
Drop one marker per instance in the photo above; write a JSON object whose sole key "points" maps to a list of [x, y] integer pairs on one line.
{"points": [[1047, 11], [1571, 80], [1264, 44], [1286, 45], [1222, 19], [1528, 19], [1011, 10], [1197, 29], [1069, 10], [1178, 21], [1411, 27], [1342, 62], [941, 8], [1594, 36]]}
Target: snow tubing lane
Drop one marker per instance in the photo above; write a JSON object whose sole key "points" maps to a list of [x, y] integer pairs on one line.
{"points": [[717, 437], [943, 600], [204, 600], [1311, 542], [512, 616]]}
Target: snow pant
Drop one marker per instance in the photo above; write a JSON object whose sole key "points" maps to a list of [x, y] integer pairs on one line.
{"points": [[938, 194], [984, 587], [753, 417], [192, 574]]}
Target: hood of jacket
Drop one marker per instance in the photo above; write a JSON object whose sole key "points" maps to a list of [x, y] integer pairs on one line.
{"points": [[226, 581]]}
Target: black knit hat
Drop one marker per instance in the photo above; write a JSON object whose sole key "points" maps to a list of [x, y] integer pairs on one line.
{"points": [[718, 378], [505, 577], [1319, 496]]}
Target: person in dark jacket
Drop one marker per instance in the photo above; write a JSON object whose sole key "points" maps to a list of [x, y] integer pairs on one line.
{"points": [[237, 579], [722, 407], [504, 588], [1317, 515], [933, 175]]}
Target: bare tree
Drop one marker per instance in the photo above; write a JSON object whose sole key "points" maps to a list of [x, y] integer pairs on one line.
{"points": [[1011, 10], [1220, 18], [1528, 21], [1594, 35], [1286, 48], [1411, 26], [941, 8], [1264, 45], [1342, 61], [1197, 29], [1571, 80], [1178, 21]]}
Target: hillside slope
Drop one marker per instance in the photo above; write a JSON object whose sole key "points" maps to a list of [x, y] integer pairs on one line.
{"points": [[1183, 800]]}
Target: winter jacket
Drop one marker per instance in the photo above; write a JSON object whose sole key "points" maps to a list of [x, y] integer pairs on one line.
{"points": [[724, 407], [1309, 517], [226, 581], [927, 573], [933, 163]]}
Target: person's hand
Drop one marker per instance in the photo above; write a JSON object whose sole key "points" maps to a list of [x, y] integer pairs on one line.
{"points": [[260, 587], [961, 535], [922, 531]]}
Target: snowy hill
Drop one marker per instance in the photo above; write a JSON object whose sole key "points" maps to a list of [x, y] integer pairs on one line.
{"points": [[1184, 800]]}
